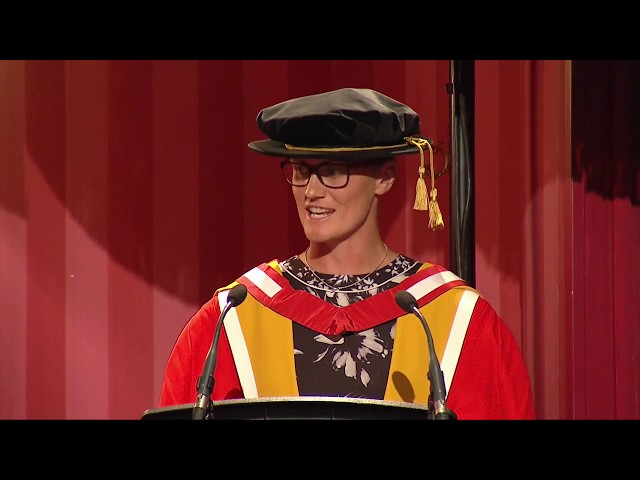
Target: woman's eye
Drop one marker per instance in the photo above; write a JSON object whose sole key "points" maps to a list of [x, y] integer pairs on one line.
{"points": [[332, 170]]}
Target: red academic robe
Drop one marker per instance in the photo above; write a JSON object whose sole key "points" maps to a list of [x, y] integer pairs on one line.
{"points": [[486, 376]]}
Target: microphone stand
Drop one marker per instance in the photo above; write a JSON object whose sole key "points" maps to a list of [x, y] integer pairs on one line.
{"points": [[205, 382], [437, 405], [437, 389]]}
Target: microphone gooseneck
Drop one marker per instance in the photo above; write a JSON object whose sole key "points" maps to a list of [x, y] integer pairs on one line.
{"points": [[409, 304], [205, 381]]}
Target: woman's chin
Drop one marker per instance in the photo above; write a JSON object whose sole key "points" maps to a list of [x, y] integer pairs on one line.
{"points": [[315, 235]]}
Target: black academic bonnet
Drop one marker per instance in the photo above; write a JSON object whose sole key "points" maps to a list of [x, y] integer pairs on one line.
{"points": [[350, 123]]}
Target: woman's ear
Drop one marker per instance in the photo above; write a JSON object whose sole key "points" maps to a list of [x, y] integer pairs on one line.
{"points": [[388, 174]]}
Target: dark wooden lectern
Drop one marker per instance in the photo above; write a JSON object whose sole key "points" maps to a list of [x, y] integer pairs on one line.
{"points": [[297, 408]]}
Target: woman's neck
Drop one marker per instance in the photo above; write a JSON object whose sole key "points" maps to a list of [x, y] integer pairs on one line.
{"points": [[353, 258]]}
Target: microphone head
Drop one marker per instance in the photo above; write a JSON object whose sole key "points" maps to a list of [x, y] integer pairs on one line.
{"points": [[237, 295], [406, 301]]}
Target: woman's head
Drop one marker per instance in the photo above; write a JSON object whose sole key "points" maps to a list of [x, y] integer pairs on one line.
{"points": [[341, 148]]}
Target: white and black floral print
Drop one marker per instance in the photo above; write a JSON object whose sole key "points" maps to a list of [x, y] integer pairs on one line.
{"points": [[355, 364]]}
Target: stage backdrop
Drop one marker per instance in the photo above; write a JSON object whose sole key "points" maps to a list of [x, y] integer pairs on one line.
{"points": [[128, 195]]}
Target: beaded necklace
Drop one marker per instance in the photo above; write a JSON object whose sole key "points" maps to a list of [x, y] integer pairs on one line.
{"points": [[342, 287]]}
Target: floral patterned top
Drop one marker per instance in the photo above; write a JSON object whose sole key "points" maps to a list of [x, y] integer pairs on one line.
{"points": [[355, 364]]}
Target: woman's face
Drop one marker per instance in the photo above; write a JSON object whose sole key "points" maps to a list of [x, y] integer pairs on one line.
{"points": [[335, 214]]}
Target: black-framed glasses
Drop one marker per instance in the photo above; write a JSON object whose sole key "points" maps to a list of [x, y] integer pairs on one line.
{"points": [[331, 174]]}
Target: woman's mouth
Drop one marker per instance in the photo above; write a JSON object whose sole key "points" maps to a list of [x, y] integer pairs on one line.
{"points": [[317, 212]]}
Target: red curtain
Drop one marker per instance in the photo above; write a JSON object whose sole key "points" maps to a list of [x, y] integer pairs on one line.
{"points": [[558, 226], [523, 212], [604, 335], [128, 195]]}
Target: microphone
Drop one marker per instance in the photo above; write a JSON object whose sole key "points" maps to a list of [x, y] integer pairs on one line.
{"points": [[205, 381], [409, 304]]}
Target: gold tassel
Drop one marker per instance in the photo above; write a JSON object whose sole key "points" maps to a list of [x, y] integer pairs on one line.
{"points": [[435, 217], [421, 192], [421, 201]]}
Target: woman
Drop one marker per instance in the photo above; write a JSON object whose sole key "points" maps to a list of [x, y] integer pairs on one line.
{"points": [[326, 322]]}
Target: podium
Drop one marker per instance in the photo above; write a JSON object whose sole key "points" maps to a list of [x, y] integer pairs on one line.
{"points": [[297, 408]]}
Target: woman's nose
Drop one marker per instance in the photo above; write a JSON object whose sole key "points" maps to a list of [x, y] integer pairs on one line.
{"points": [[315, 187]]}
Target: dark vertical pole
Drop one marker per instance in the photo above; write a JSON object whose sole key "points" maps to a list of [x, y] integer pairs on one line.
{"points": [[461, 91]]}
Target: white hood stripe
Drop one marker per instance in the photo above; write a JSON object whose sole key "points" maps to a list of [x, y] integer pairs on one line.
{"points": [[263, 282], [239, 348], [456, 336]]}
